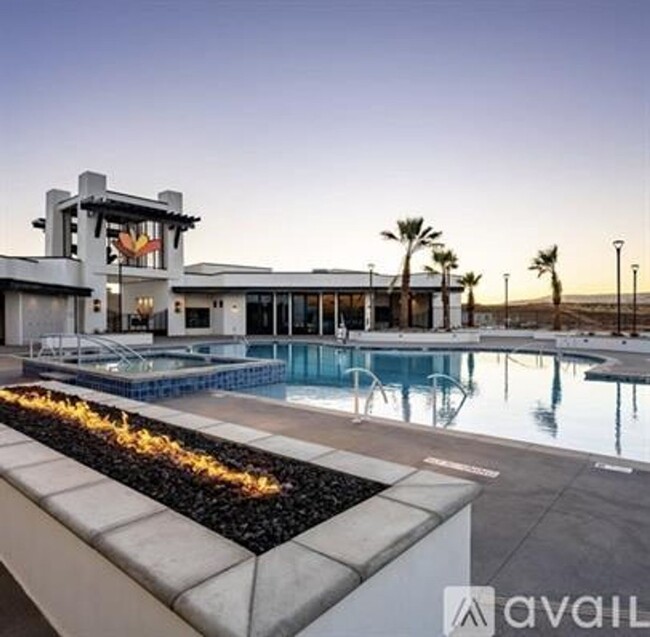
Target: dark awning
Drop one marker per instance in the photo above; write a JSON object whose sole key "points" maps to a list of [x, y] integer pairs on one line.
{"points": [[18, 285], [121, 211]]}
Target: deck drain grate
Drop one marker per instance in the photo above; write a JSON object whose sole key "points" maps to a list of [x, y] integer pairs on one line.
{"points": [[466, 468]]}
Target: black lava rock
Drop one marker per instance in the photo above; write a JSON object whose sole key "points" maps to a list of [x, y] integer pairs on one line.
{"points": [[309, 495]]}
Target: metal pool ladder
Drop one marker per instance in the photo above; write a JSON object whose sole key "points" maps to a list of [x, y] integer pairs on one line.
{"points": [[49, 343], [434, 392], [243, 340], [376, 384], [538, 350]]}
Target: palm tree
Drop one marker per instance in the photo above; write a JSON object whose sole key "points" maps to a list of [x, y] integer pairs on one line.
{"points": [[470, 281], [545, 263], [445, 260], [413, 235]]}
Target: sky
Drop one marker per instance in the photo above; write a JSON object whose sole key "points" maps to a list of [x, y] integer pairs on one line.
{"points": [[299, 130]]}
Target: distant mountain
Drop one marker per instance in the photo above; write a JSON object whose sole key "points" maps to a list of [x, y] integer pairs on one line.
{"points": [[642, 298]]}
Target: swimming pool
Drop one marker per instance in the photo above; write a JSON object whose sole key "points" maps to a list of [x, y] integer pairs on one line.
{"points": [[527, 397]]}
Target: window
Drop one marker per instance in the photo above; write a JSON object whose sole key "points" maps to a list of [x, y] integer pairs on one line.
{"points": [[197, 317], [282, 313], [328, 314], [421, 310], [305, 314], [352, 310], [259, 313], [144, 306]]}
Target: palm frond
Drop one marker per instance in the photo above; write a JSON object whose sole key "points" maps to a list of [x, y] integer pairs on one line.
{"points": [[387, 234]]}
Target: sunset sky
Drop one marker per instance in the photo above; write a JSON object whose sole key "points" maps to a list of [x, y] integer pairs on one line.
{"points": [[300, 130]]}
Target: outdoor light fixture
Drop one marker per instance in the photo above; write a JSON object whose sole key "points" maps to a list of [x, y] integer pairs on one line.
{"points": [[178, 307], [618, 244], [97, 305], [506, 276], [635, 270]]}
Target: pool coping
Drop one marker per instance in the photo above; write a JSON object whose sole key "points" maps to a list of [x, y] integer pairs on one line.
{"points": [[162, 384], [243, 363], [206, 568]]}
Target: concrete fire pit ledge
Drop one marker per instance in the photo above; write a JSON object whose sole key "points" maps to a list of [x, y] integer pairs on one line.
{"points": [[100, 558]]}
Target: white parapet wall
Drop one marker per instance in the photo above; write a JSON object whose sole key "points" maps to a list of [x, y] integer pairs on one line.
{"points": [[406, 597], [415, 338], [101, 559], [636, 345], [78, 590], [500, 332]]}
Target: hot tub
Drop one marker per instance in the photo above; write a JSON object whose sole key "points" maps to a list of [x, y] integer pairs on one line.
{"points": [[157, 375]]}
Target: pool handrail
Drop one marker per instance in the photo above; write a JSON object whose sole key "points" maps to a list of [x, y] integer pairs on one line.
{"points": [[434, 390], [243, 340], [539, 351], [376, 383], [116, 348], [123, 346]]}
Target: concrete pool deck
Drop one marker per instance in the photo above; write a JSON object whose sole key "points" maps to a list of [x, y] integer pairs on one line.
{"points": [[551, 523]]}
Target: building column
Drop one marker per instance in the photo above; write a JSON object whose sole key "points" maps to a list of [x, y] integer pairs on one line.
{"points": [[290, 311], [336, 311], [368, 312], [275, 315], [320, 313], [55, 239]]}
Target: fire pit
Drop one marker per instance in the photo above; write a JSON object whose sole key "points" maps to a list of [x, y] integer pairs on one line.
{"points": [[196, 532], [252, 497]]}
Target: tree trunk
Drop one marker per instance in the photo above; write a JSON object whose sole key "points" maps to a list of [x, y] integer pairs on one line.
{"points": [[445, 302], [405, 294], [557, 299], [470, 309], [557, 319]]}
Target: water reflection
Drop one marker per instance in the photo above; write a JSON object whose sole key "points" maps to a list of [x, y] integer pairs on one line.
{"points": [[617, 420], [406, 403], [471, 386], [546, 415], [536, 398]]}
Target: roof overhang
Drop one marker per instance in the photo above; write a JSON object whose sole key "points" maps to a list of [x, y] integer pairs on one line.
{"points": [[188, 289], [20, 285]]}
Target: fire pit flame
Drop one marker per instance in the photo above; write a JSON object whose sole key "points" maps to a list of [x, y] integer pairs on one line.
{"points": [[144, 442]]}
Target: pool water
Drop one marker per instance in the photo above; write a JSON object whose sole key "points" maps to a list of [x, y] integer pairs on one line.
{"points": [[526, 397], [149, 364]]}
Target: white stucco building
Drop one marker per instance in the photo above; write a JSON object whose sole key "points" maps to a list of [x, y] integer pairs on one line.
{"points": [[76, 285]]}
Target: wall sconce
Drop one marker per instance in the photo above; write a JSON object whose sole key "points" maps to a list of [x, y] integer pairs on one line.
{"points": [[235, 307], [178, 306], [97, 305]]}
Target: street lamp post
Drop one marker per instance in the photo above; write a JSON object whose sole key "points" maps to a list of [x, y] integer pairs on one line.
{"points": [[618, 244], [635, 270], [371, 300], [506, 276]]}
